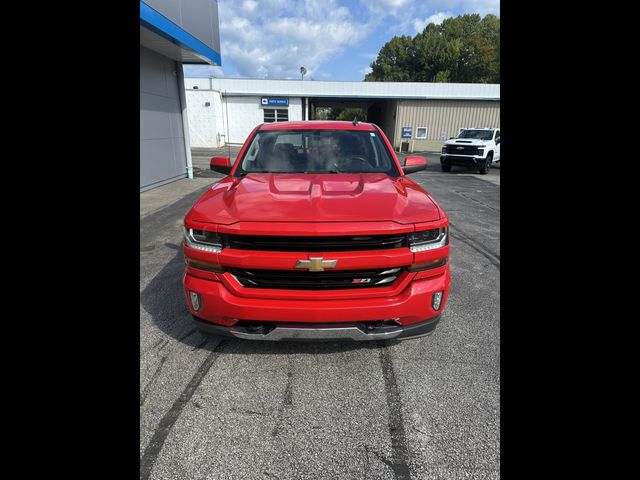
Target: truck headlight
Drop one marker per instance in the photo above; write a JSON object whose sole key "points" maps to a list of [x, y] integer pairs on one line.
{"points": [[202, 240], [429, 239]]}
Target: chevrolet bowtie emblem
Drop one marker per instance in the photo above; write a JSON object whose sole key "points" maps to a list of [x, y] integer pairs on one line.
{"points": [[460, 148], [316, 264]]}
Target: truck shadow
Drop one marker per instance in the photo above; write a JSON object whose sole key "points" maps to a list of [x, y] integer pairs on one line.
{"points": [[163, 299]]}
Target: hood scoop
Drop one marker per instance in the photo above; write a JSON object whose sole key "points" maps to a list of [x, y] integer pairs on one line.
{"points": [[299, 197]]}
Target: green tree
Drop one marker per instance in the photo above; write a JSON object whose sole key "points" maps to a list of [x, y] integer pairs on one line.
{"points": [[350, 113], [324, 113], [394, 62], [463, 49]]}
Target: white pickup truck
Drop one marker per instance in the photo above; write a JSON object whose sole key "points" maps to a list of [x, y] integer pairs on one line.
{"points": [[475, 148]]}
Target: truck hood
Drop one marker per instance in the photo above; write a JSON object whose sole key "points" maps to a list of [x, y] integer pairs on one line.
{"points": [[260, 197], [467, 141]]}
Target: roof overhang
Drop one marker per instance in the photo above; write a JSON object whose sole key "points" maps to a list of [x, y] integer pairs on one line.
{"points": [[161, 35], [362, 91]]}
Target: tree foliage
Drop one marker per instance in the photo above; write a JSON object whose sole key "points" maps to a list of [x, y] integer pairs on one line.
{"points": [[464, 49], [326, 113], [349, 114]]}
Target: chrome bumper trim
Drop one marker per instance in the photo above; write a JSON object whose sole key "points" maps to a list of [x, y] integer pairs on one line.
{"points": [[343, 331], [338, 333]]}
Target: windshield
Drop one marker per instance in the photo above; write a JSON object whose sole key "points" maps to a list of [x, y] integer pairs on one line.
{"points": [[479, 134], [317, 151]]}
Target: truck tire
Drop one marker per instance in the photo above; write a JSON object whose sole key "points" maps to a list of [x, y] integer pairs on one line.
{"points": [[487, 165], [445, 168]]}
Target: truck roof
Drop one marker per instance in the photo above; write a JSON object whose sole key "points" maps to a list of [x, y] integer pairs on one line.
{"points": [[317, 125]]}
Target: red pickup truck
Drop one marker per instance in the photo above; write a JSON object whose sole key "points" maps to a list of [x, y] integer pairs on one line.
{"points": [[316, 233]]}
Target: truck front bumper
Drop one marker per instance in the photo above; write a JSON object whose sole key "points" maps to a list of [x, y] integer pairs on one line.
{"points": [[407, 314], [357, 331], [463, 160]]}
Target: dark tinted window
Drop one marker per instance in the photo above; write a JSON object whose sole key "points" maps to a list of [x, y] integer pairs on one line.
{"points": [[479, 134]]}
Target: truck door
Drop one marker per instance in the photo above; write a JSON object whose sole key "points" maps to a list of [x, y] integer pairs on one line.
{"points": [[496, 154]]}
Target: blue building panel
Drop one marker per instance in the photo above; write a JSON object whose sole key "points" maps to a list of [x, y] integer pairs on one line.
{"points": [[158, 23]]}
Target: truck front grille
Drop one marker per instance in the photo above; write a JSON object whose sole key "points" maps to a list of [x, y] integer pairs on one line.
{"points": [[461, 149], [275, 243], [305, 280]]}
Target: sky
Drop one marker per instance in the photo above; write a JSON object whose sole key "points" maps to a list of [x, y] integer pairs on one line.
{"points": [[332, 39]]}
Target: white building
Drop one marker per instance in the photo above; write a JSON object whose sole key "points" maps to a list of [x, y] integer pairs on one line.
{"points": [[225, 110]]}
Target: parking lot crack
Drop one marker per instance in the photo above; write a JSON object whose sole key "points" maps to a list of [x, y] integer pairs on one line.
{"points": [[161, 433], [474, 244], [399, 447], [287, 401], [463, 195], [154, 377]]}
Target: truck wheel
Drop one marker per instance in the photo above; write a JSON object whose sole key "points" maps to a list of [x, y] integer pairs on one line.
{"points": [[487, 165], [445, 168]]}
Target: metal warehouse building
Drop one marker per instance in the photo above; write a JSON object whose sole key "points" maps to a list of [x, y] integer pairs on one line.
{"points": [[172, 32], [414, 116]]}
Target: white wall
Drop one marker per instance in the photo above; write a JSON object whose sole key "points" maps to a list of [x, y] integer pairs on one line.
{"points": [[245, 113], [204, 124], [201, 83], [295, 109], [208, 125]]}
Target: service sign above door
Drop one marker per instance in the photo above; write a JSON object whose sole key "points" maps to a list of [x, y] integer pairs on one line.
{"points": [[275, 102]]}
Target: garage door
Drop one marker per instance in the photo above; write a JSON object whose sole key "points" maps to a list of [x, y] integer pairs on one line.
{"points": [[162, 151]]}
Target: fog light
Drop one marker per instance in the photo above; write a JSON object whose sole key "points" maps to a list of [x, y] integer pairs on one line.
{"points": [[195, 300], [437, 298]]}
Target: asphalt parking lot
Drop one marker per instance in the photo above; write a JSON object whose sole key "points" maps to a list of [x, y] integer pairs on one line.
{"points": [[421, 409]]}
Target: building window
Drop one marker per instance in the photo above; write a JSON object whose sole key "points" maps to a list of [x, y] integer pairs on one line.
{"points": [[282, 115], [275, 115], [421, 133], [269, 115]]}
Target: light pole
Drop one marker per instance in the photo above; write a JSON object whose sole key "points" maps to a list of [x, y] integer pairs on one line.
{"points": [[302, 72]]}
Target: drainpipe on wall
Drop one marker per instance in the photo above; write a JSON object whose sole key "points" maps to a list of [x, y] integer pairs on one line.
{"points": [[185, 121], [395, 133]]}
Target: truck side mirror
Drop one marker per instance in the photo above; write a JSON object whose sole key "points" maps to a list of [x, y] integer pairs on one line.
{"points": [[414, 163], [497, 140], [221, 165]]}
